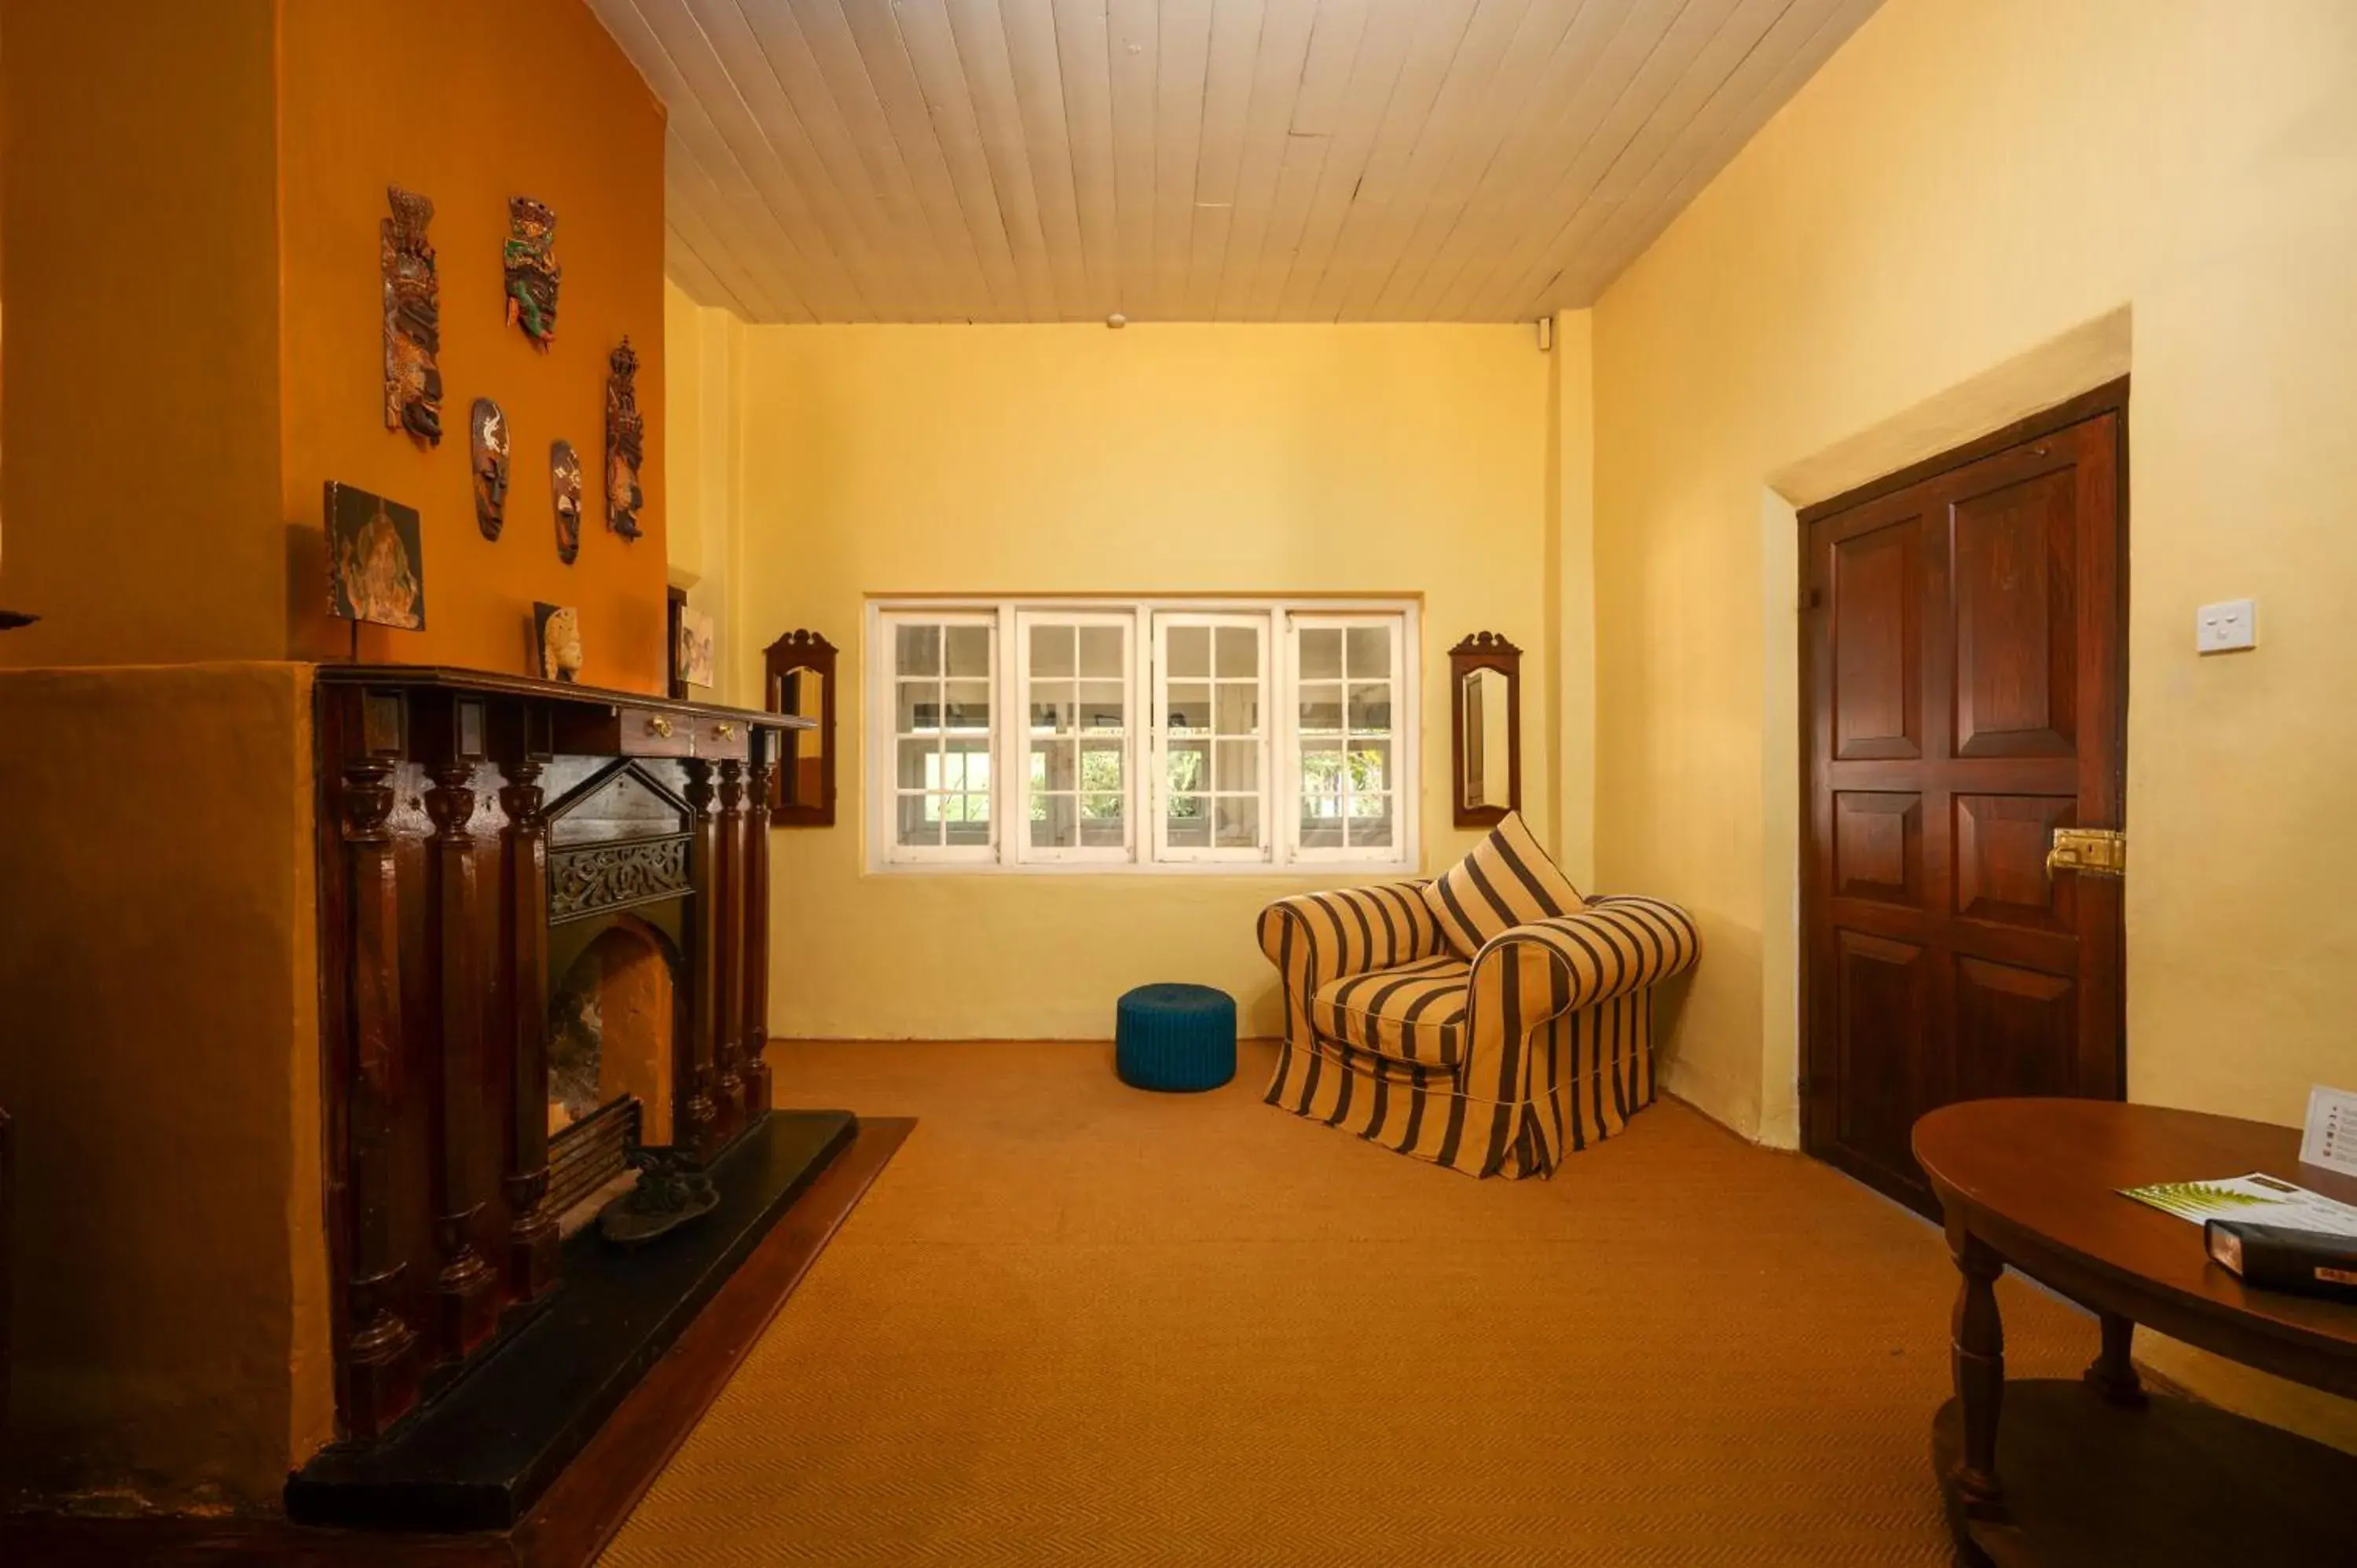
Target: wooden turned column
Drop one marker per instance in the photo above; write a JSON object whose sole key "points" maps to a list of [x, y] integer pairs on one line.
{"points": [[379, 1352], [466, 1290], [728, 884], [531, 1250], [2113, 1374], [695, 1118], [1977, 1358], [754, 900]]}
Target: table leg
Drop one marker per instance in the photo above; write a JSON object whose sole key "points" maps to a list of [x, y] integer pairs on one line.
{"points": [[1978, 1361], [2113, 1375]]}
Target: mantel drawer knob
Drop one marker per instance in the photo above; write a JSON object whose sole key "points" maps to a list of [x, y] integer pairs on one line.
{"points": [[724, 732], [659, 724]]}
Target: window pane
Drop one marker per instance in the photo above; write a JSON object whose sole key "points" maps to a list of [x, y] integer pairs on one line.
{"points": [[919, 707], [920, 764], [969, 820], [1052, 764], [1318, 830], [1371, 766], [1101, 651], [1371, 652], [919, 820], [1190, 651], [1322, 710], [1103, 705], [1239, 651], [1102, 832], [1101, 767], [1238, 705], [968, 650], [1322, 654], [917, 650], [1321, 782], [1052, 824], [1238, 766], [1190, 823], [1051, 706], [967, 705], [1189, 707], [1051, 651], [1371, 709], [1189, 768], [967, 764], [1369, 822], [1238, 823]]}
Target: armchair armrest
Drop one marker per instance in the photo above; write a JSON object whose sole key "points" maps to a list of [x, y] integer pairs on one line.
{"points": [[1614, 946], [1316, 938]]}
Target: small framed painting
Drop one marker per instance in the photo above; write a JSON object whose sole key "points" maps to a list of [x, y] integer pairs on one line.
{"points": [[695, 652], [376, 567]]}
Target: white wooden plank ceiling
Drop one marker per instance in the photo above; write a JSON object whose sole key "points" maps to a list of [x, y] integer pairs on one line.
{"points": [[1230, 160]]}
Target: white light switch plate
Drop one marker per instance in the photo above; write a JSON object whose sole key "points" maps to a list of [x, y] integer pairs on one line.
{"points": [[2330, 1137], [2226, 626]]}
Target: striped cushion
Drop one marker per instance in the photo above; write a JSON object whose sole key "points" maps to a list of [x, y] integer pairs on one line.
{"points": [[1504, 881], [1412, 1013]]}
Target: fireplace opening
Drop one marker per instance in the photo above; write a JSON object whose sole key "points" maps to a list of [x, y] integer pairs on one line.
{"points": [[619, 890], [611, 1027]]}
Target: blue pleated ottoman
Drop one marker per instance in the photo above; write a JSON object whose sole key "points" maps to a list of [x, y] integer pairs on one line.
{"points": [[1180, 1038]]}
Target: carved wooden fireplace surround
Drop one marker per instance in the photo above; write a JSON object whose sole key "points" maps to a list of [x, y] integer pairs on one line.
{"points": [[434, 898]]}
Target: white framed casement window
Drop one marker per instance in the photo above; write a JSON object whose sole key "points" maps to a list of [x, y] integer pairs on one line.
{"points": [[939, 737], [1210, 737], [1347, 682], [1079, 687], [1180, 735]]}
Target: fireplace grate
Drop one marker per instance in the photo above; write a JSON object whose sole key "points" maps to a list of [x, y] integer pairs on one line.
{"points": [[590, 1153]]}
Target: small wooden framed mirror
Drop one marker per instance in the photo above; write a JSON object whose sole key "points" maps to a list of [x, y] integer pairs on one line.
{"points": [[1485, 730], [799, 678]]}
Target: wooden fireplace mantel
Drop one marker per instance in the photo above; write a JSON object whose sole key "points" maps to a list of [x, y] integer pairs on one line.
{"points": [[434, 897]]}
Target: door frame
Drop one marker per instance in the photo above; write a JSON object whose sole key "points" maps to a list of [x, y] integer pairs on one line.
{"points": [[2110, 397]]}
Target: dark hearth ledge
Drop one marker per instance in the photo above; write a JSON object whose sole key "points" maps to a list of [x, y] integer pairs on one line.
{"points": [[476, 1457]]}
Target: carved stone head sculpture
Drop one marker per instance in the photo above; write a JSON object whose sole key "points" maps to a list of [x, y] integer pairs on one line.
{"points": [[531, 270], [413, 319], [560, 642], [565, 481], [488, 431], [626, 441]]}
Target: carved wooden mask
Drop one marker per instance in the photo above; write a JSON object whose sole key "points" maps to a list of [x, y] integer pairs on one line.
{"points": [[413, 319], [626, 441], [488, 432], [564, 482]]}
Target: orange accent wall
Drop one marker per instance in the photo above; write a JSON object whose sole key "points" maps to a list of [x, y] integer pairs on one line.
{"points": [[141, 483], [469, 104], [195, 321]]}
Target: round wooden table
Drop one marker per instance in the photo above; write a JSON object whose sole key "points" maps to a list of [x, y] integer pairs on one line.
{"points": [[2100, 1470]]}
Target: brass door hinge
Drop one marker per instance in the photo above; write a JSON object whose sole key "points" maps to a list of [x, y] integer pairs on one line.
{"points": [[2090, 852]]}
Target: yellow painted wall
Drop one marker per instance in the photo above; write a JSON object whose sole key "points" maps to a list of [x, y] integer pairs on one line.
{"points": [[160, 1055], [1966, 180], [539, 102], [1158, 458], [702, 437]]}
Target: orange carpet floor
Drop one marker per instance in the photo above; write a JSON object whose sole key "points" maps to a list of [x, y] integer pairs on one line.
{"points": [[1074, 1323]]}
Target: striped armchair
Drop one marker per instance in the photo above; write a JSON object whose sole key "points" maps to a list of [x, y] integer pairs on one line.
{"points": [[1540, 1043]]}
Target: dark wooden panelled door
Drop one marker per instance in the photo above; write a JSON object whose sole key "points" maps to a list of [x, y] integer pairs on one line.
{"points": [[1967, 683]]}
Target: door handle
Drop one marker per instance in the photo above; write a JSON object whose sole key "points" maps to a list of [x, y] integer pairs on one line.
{"points": [[2090, 852]]}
